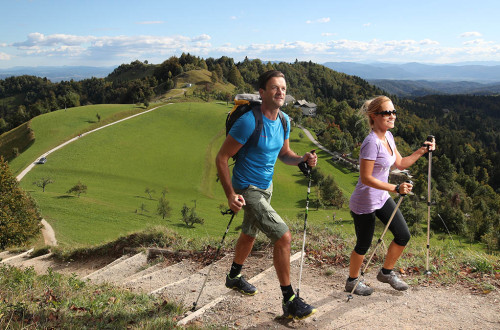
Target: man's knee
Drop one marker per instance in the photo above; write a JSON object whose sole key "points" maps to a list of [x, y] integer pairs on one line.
{"points": [[284, 240], [246, 239]]}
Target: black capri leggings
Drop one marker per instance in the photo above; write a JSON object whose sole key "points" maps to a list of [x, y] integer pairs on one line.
{"points": [[364, 225]]}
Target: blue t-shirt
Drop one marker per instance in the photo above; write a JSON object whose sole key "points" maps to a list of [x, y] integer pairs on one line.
{"points": [[255, 164]]}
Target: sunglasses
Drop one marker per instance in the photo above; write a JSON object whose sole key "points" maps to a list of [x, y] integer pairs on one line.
{"points": [[386, 113]]}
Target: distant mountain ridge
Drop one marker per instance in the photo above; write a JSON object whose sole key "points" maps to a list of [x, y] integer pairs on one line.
{"points": [[417, 88], [418, 71], [404, 80], [58, 73]]}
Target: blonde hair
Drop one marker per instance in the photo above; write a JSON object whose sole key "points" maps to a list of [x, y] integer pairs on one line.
{"points": [[372, 106]]}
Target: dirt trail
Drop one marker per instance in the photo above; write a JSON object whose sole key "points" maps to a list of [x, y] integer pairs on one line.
{"points": [[420, 307], [424, 305]]}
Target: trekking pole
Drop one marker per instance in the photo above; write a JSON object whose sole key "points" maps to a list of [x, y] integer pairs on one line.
{"points": [[215, 257], [307, 172], [349, 296], [427, 271]]}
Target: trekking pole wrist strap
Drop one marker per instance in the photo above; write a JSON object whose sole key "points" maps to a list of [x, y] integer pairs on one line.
{"points": [[397, 188]]}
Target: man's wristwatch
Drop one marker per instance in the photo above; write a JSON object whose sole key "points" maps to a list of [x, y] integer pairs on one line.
{"points": [[397, 188]]}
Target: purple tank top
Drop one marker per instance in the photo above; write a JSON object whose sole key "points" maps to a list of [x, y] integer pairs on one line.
{"points": [[366, 199]]}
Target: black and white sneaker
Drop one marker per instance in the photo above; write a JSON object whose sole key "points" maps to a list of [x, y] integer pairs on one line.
{"points": [[240, 284], [296, 308]]}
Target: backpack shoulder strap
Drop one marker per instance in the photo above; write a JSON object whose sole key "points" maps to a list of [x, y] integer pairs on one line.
{"points": [[259, 123], [283, 122]]}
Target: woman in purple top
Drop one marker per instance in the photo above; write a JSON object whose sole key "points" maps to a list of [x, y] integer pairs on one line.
{"points": [[378, 154]]}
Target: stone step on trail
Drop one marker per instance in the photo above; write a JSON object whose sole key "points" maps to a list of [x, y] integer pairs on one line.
{"points": [[144, 272], [17, 259], [266, 282], [40, 264], [187, 290], [111, 264], [153, 281], [119, 271], [7, 254], [264, 310]]}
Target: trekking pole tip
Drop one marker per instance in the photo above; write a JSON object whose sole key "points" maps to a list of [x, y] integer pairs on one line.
{"points": [[427, 272], [349, 297]]}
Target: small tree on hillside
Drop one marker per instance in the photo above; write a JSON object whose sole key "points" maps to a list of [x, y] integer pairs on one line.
{"points": [[19, 216], [149, 191], [143, 208], [164, 191], [164, 208], [189, 216], [78, 189], [43, 182], [331, 193]]}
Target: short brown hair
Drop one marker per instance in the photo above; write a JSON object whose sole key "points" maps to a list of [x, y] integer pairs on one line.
{"points": [[264, 78]]}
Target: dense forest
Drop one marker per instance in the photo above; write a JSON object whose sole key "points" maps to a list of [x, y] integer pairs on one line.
{"points": [[465, 171]]}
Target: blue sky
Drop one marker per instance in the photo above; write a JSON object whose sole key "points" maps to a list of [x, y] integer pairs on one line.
{"points": [[108, 32]]}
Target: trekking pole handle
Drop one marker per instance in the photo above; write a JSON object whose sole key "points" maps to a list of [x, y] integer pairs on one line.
{"points": [[397, 187], [228, 211], [429, 138], [304, 168]]}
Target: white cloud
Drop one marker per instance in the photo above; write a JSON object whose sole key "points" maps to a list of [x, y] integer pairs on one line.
{"points": [[150, 22], [319, 20], [470, 34], [107, 48], [119, 49], [39, 40], [4, 57], [477, 42], [428, 42], [201, 37], [328, 34], [233, 17], [367, 24]]}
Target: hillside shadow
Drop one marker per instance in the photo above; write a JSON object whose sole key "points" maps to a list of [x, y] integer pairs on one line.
{"points": [[144, 197], [182, 225], [143, 215], [65, 197]]}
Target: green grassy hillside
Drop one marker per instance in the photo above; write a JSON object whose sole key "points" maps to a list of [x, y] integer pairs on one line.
{"points": [[18, 139], [173, 147], [54, 128]]}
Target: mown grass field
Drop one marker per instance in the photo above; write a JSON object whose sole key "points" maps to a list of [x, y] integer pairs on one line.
{"points": [[173, 147], [54, 128]]}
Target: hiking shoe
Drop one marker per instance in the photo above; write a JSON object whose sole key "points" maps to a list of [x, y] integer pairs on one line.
{"points": [[240, 284], [362, 289], [393, 280], [296, 308]]}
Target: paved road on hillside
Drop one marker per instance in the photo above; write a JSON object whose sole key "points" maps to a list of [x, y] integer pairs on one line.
{"points": [[309, 135], [47, 231]]}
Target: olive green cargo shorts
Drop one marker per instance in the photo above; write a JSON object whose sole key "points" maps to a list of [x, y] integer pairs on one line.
{"points": [[259, 214]]}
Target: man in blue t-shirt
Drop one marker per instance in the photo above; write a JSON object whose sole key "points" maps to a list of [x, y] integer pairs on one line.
{"points": [[251, 188]]}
